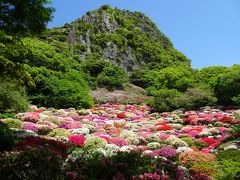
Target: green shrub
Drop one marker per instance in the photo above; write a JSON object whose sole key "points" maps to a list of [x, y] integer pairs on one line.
{"points": [[210, 169], [59, 132], [6, 115], [94, 142], [196, 97], [112, 77], [229, 155], [13, 123], [209, 75], [200, 144], [94, 67], [236, 99], [12, 97], [32, 163], [164, 99], [189, 141], [229, 165], [230, 169], [6, 138], [228, 87], [61, 90], [140, 77]]}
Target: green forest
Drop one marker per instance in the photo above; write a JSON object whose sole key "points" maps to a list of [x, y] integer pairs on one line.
{"points": [[63, 64]]}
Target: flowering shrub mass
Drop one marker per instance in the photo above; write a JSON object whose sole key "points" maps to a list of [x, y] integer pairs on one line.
{"points": [[166, 152], [105, 138], [118, 141], [77, 140]]}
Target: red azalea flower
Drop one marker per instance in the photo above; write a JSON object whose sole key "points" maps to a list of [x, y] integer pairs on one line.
{"points": [[209, 141], [77, 140], [165, 128], [227, 119], [121, 115]]}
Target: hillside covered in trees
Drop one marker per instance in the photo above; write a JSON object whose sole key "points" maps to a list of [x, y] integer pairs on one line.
{"points": [[106, 48]]}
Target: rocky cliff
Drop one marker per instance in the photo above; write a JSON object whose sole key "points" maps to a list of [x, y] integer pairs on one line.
{"points": [[128, 39]]}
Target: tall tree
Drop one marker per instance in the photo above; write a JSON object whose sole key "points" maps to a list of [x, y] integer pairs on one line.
{"points": [[25, 16]]}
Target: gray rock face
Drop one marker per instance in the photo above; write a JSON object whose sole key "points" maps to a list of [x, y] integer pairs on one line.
{"points": [[126, 58], [107, 24], [129, 59], [88, 42], [71, 38], [110, 52]]}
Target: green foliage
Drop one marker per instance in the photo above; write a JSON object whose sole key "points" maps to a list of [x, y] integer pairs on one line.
{"points": [[228, 87], [173, 78], [236, 99], [164, 99], [60, 90], [44, 54], [94, 67], [236, 128], [229, 165], [13, 97], [6, 138], [138, 77], [32, 163], [13, 123], [95, 142], [229, 155], [21, 16], [200, 144], [6, 115], [229, 170], [13, 53], [196, 97], [209, 75], [112, 77], [189, 141], [59, 132], [156, 76]]}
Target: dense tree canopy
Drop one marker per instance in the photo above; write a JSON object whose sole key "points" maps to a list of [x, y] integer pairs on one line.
{"points": [[21, 16]]}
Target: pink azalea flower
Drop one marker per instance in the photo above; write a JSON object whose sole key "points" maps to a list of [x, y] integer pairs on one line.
{"points": [[31, 117], [30, 126], [119, 141]]}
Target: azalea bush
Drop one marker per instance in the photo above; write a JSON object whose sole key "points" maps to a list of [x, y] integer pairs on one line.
{"points": [[13, 123], [125, 141], [34, 163], [189, 158]]}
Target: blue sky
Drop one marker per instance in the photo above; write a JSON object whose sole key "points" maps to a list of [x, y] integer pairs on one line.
{"points": [[206, 31]]}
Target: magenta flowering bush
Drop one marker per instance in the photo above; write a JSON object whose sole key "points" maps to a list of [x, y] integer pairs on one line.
{"points": [[30, 126], [164, 136], [148, 176], [77, 140], [167, 152], [69, 125], [119, 141]]}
